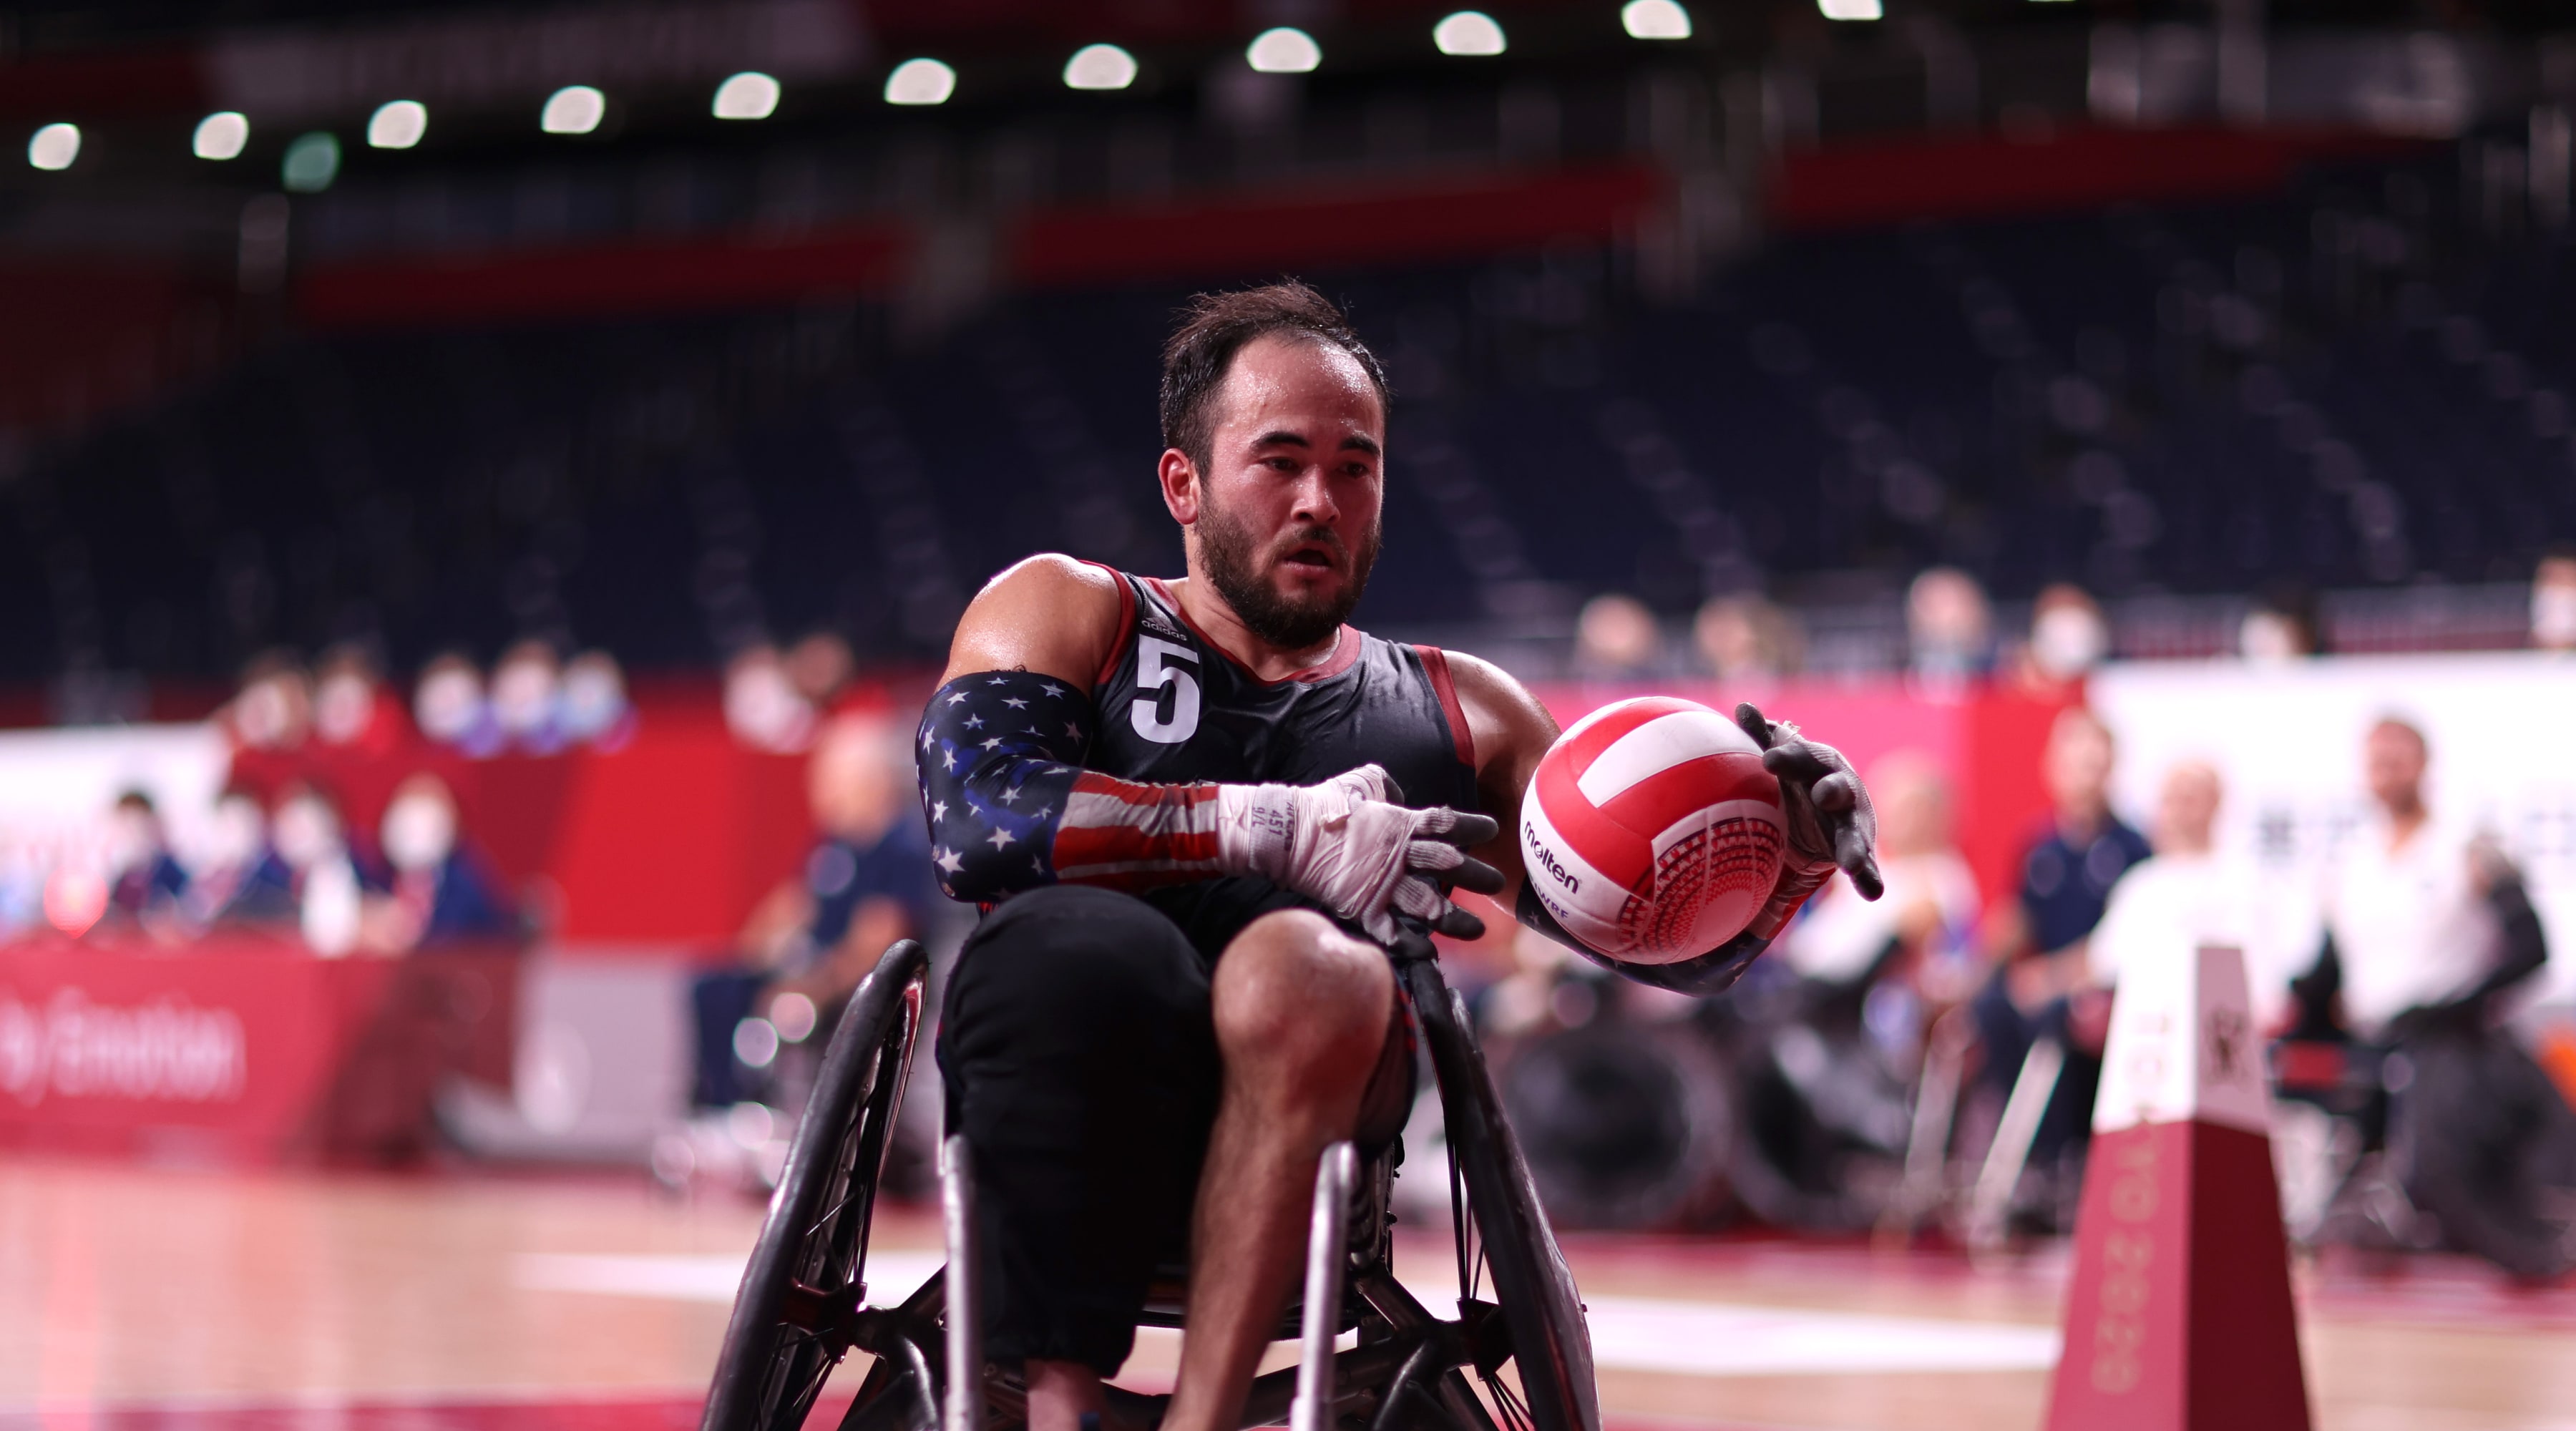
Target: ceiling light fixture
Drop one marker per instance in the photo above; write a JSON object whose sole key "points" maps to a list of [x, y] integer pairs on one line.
{"points": [[1284, 51]]}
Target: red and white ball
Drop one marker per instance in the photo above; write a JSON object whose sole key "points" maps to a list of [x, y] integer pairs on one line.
{"points": [[1651, 830]]}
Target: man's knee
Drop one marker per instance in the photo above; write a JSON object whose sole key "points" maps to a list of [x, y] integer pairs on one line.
{"points": [[1294, 988], [1074, 954]]}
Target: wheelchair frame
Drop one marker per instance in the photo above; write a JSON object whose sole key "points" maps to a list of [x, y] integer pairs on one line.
{"points": [[803, 1305]]}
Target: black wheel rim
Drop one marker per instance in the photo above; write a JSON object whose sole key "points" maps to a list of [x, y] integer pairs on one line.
{"points": [[1501, 1232], [788, 1329]]}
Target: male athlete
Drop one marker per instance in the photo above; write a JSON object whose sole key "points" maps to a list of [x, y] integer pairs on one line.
{"points": [[1196, 809]]}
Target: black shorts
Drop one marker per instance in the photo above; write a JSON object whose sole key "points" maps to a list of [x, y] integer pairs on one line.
{"points": [[1080, 1062]]}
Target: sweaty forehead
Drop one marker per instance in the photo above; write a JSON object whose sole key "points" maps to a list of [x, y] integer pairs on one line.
{"points": [[1289, 380]]}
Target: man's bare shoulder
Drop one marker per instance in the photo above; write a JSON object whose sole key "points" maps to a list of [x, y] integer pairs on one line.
{"points": [[1501, 713], [1049, 613]]}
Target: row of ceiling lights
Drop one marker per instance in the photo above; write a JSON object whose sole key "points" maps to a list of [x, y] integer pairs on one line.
{"points": [[313, 159]]}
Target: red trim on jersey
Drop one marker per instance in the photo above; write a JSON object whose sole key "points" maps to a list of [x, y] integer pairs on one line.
{"points": [[1126, 624], [1435, 663], [1346, 648]]}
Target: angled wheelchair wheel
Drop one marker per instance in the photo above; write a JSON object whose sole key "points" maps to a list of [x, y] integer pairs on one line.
{"points": [[1502, 1234], [792, 1320]]}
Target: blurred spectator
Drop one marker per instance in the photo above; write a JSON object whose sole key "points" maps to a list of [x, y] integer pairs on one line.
{"points": [[243, 880], [2553, 602], [2039, 940], [1615, 636], [2069, 636], [274, 708], [1747, 641], [527, 698], [351, 707], [865, 884], [1930, 908], [329, 880], [449, 706], [145, 882], [762, 705], [2184, 896], [2282, 626], [595, 709], [819, 667], [1950, 628], [22, 887], [2428, 936], [441, 892]]}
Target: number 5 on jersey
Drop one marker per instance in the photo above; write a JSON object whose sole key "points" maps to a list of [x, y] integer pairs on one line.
{"points": [[1159, 664]]}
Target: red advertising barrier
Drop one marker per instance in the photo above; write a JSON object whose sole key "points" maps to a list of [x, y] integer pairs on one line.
{"points": [[672, 837], [668, 839], [241, 1048]]}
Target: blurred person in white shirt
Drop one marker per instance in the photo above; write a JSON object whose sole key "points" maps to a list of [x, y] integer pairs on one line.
{"points": [[1931, 905], [2187, 894], [2429, 935], [2415, 911]]}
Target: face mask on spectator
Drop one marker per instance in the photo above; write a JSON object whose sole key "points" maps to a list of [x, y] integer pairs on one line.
{"points": [[420, 832], [2068, 641], [449, 703], [524, 696], [594, 695]]}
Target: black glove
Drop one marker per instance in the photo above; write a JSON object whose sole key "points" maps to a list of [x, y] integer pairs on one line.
{"points": [[1830, 821]]}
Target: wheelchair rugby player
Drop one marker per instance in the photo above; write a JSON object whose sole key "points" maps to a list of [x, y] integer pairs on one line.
{"points": [[1195, 812]]}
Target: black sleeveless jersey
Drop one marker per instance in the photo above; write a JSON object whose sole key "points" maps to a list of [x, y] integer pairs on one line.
{"points": [[1175, 708]]}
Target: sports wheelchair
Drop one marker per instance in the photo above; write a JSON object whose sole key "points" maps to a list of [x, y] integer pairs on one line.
{"points": [[804, 1303]]}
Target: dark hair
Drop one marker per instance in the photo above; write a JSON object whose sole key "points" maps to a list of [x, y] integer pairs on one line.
{"points": [[1215, 327]]}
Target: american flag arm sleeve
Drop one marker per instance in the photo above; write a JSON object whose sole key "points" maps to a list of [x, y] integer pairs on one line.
{"points": [[1011, 807]]}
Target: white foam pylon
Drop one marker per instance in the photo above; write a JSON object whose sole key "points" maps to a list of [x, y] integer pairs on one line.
{"points": [[2183, 1047], [2179, 1316]]}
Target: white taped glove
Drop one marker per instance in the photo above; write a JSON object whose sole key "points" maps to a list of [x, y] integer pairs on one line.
{"points": [[1348, 844]]}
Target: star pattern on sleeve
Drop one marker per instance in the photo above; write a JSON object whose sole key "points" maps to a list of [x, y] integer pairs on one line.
{"points": [[1002, 778]]}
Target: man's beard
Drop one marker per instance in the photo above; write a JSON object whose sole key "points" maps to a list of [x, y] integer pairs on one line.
{"points": [[1235, 567]]}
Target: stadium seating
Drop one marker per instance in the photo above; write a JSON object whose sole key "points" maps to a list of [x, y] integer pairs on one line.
{"points": [[2355, 381]]}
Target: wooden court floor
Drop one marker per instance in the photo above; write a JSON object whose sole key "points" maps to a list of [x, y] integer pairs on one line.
{"points": [[180, 1299]]}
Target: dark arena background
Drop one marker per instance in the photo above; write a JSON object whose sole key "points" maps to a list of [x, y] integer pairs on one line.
{"points": [[485, 491]]}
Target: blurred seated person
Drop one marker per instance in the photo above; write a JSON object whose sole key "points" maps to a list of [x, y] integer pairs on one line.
{"points": [[2184, 896], [2069, 636], [243, 879], [441, 891], [352, 710], [527, 698], [2553, 601], [1616, 638], [329, 877], [865, 884], [1950, 627], [273, 710], [763, 706], [2429, 937], [596, 711], [145, 882], [819, 666], [1920, 928], [1748, 643], [2039, 940], [450, 707]]}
